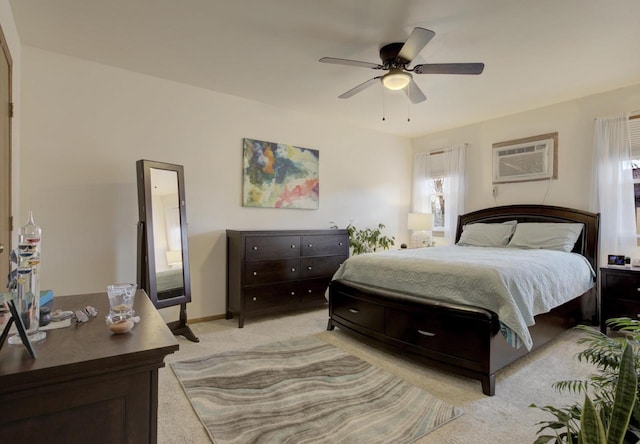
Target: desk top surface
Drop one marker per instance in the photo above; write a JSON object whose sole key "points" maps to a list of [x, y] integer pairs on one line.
{"points": [[88, 348]]}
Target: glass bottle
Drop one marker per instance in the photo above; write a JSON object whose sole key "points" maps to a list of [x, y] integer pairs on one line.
{"points": [[27, 291], [32, 232]]}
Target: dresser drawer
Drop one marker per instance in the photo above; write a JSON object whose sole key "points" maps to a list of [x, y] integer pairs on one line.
{"points": [[428, 330], [325, 244], [256, 273], [314, 290], [620, 308], [321, 266], [274, 295], [365, 314], [272, 247], [622, 286]]}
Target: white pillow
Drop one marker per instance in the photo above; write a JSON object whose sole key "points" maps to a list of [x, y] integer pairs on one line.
{"points": [[546, 235], [487, 235]]}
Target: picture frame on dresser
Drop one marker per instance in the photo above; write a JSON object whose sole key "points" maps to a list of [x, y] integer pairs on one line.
{"points": [[278, 270]]}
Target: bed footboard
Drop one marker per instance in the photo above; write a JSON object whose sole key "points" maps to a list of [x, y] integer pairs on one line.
{"points": [[461, 339], [454, 337]]}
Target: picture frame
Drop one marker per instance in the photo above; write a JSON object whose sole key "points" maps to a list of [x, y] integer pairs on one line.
{"points": [[527, 159], [15, 317], [277, 175]]}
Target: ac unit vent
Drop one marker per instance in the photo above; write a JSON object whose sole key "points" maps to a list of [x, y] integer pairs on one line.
{"points": [[530, 160]]}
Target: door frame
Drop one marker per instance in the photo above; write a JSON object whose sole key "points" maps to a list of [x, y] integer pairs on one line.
{"points": [[6, 174]]}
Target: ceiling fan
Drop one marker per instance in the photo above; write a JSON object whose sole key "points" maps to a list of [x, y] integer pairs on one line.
{"points": [[396, 58]]}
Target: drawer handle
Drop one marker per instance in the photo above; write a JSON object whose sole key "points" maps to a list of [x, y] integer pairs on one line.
{"points": [[309, 267], [293, 293], [255, 273], [310, 245], [255, 248], [293, 269], [340, 243], [311, 291], [353, 310], [426, 333], [293, 246], [255, 298]]}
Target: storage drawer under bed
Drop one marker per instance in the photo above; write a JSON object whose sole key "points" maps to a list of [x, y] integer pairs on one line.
{"points": [[438, 332], [362, 313]]}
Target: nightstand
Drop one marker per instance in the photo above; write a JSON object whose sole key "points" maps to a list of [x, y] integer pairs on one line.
{"points": [[619, 294]]}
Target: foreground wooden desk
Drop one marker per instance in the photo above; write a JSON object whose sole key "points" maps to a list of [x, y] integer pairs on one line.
{"points": [[86, 385]]}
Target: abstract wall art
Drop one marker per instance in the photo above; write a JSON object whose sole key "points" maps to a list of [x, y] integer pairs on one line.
{"points": [[280, 176]]}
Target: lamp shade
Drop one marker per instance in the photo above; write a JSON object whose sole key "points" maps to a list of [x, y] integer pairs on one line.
{"points": [[420, 221], [174, 257]]}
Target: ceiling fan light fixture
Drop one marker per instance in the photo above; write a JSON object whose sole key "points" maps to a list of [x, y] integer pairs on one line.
{"points": [[396, 79]]}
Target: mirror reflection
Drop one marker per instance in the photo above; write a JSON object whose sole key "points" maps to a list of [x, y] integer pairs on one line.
{"points": [[165, 206]]}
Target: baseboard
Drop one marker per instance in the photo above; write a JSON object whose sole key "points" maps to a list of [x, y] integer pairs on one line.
{"points": [[205, 319]]}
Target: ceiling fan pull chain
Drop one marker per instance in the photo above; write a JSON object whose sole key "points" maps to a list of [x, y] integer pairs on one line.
{"points": [[383, 103], [409, 103]]}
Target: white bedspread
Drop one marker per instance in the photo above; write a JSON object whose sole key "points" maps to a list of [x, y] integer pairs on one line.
{"points": [[513, 283]]}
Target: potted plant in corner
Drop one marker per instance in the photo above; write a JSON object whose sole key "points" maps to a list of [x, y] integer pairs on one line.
{"points": [[367, 240], [610, 412]]}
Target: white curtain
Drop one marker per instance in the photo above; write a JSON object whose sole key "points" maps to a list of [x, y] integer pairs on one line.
{"points": [[421, 186], [452, 167], [454, 189], [613, 193]]}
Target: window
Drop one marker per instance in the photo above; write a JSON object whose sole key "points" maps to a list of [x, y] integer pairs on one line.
{"points": [[439, 187], [436, 190], [437, 201]]}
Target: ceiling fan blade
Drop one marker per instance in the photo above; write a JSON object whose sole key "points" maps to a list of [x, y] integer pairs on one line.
{"points": [[449, 68], [415, 94], [359, 88], [350, 63], [417, 40]]}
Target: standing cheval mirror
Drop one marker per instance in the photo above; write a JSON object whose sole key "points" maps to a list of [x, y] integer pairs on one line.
{"points": [[163, 250]]}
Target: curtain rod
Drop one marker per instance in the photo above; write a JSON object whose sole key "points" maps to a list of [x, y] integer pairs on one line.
{"points": [[441, 151], [634, 115]]}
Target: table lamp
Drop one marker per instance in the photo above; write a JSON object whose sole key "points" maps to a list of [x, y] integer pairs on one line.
{"points": [[420, 222]]}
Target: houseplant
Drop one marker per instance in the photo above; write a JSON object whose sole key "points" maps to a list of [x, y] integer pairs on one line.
{"points": [[367, 240], [610, 412]]}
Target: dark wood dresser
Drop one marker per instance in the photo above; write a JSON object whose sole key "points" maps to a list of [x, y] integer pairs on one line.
{"points": [[270, 271], [619, 294], [86, 384]]}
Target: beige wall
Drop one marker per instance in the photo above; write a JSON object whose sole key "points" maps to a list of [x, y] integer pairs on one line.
{"points": [[574, 122], [86, 124]]}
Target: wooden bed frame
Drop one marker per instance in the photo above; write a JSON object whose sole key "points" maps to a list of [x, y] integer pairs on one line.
{"points": [[462, 339]]}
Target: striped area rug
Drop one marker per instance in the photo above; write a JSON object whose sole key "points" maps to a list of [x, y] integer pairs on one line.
{"points": [[306, 391]]}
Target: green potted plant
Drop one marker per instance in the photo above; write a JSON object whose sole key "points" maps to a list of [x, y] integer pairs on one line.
{"points": [[610, 412], [367, 240]]}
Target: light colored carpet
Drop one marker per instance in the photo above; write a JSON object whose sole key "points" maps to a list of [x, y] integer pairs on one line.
{"points": [[503, 418], [305, 390]]}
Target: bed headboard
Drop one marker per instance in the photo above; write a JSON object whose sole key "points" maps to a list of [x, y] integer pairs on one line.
{"points": [[586, 245]]}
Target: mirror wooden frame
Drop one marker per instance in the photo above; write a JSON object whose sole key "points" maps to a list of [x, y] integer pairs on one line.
{"points": [[146, 244]]}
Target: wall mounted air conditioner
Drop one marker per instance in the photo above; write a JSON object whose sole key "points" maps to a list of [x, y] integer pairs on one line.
{"points": [[532, 158]]}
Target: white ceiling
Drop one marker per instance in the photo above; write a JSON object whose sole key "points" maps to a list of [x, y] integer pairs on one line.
{"points": [[535, 52]]}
